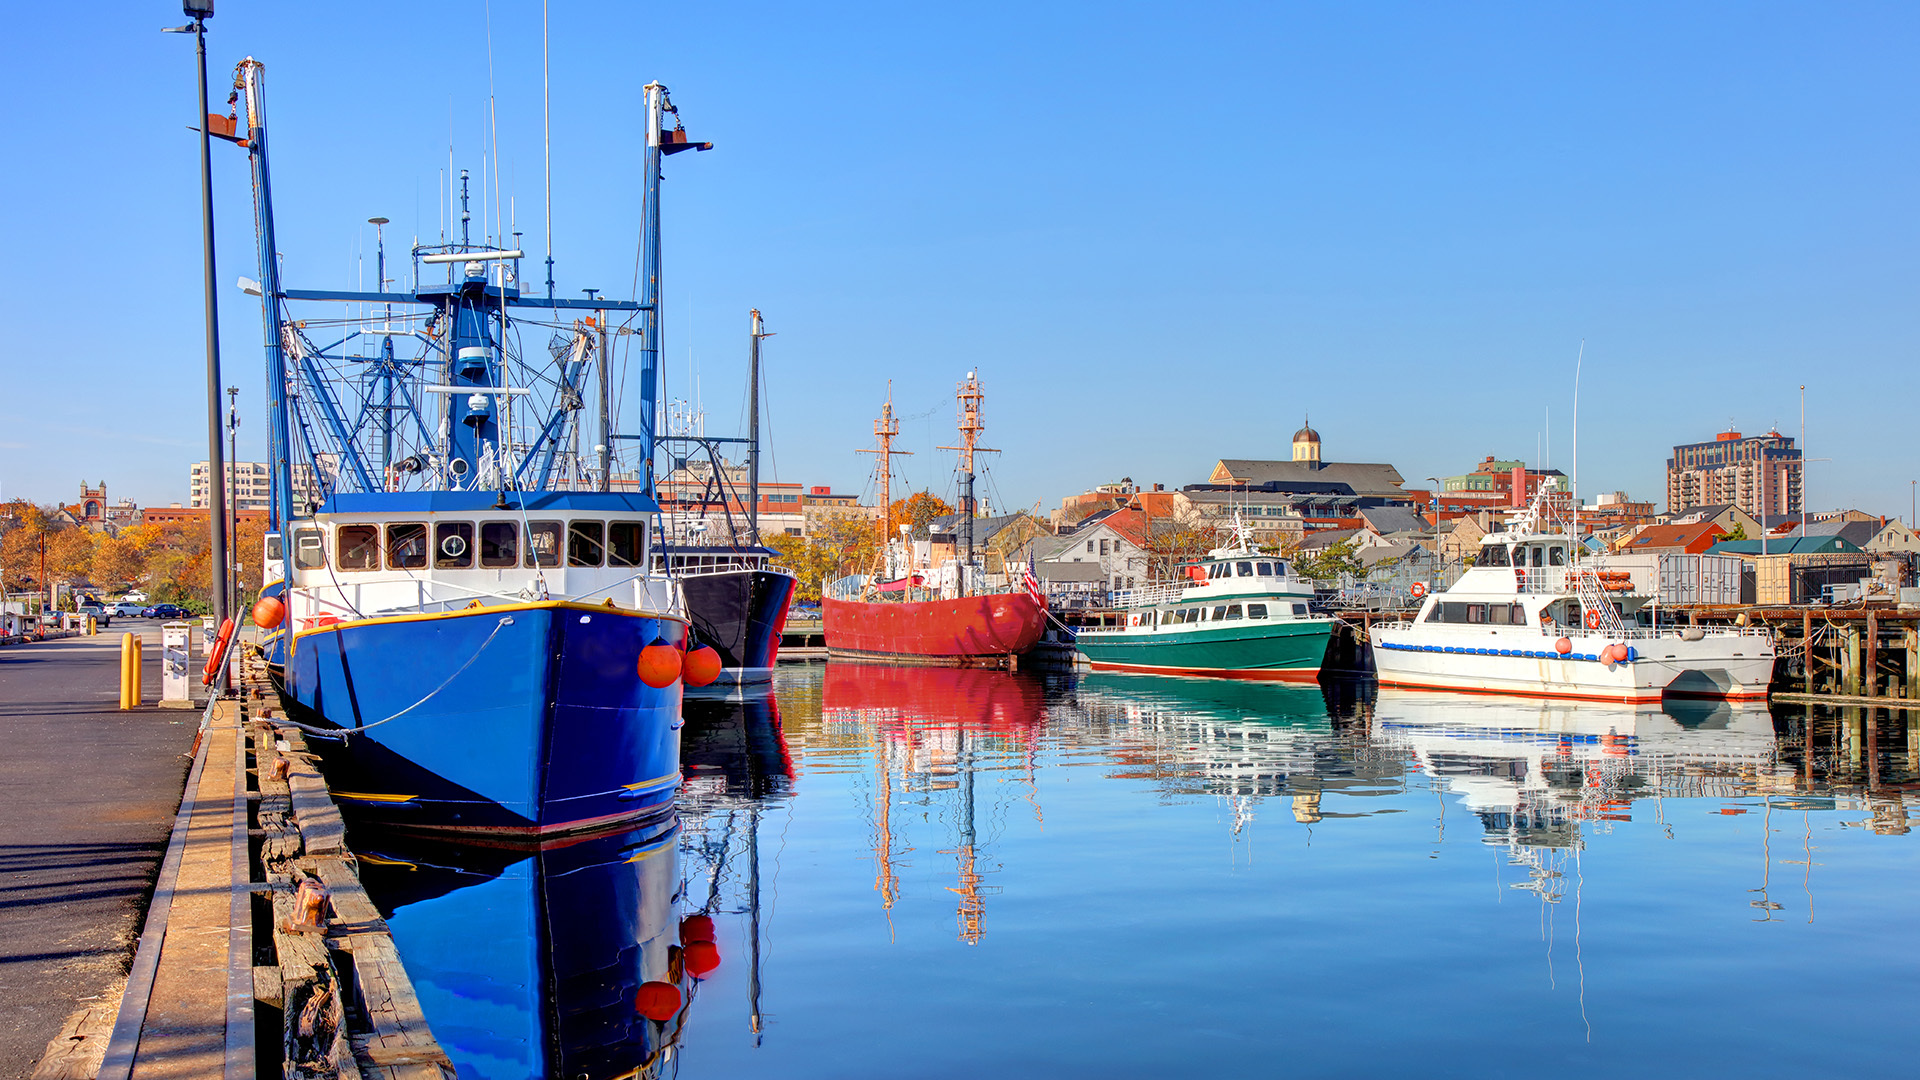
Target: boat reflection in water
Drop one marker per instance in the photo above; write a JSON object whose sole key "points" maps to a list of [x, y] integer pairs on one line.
{"points": [[735, 758], [540, 962], [933, 726]]}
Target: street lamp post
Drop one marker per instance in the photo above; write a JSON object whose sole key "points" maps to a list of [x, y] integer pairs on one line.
{"points": [[200, 11]]}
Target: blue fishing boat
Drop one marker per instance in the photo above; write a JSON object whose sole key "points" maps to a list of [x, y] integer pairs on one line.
{"points": [[469, 613]]}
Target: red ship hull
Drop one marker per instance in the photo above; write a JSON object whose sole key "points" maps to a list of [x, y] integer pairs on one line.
{"points": [[969, 631]]}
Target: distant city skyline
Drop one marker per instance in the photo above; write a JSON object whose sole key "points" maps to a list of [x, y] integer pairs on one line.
{"points": [[1160, 238]]}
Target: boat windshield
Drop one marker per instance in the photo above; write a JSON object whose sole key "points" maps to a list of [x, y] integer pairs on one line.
{"points": [[1493, 555]]}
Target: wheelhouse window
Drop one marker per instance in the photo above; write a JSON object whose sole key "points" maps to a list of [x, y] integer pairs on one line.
{"points": [[586, 544], [626, 542], [1265, 569], [309, 549], [499, 543], [358, 547], [452, 545], [1256, 611], [543, 543], [1300, 610], [1494, 555], [1245, 569], [407, 546], [1539, 556], [1556, 556]]}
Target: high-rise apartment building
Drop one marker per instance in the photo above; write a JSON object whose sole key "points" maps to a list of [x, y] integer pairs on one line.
{"points": [[1760, 474], [252, 486]]}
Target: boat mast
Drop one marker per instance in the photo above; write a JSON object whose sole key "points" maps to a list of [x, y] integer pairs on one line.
{"points": [[252, 80], [884, 430], [970, 398], [753, 428]]}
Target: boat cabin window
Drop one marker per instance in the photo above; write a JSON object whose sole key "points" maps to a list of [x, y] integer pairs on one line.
{"points": [[1256, 611], [407, 546], [273, 553], [1556, 556], [1219, 612], [586, 543], [543, 543], [1245, 569], [1267, 569], [1539, 555], [358, 547], [1493, 555], [1233, 612], [1491, 614], [452, 545], [499, 543], [309, 549], [626, 542], [1300, 610]]}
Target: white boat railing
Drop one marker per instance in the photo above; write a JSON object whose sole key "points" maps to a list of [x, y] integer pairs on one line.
{"points": [[1149, 595]]}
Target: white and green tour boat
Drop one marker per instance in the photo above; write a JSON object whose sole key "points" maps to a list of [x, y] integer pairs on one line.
{"points": [[1238, 615]]}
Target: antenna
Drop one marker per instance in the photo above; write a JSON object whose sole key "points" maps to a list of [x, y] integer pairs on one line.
{"points": [[546, 138]]}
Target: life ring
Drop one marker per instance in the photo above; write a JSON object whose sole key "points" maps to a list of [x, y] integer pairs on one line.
{"points": [[1519, 578], [218, 654], [1419, 589], [1593, 620]]}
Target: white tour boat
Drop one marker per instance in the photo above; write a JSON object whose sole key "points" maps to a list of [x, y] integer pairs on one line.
{"points": [[1532, 618]]}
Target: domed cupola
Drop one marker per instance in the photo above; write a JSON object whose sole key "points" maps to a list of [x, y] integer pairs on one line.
{"points": [[1306, 443]]}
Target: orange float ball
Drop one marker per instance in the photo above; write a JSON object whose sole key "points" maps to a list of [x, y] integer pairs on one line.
{"points": [[657, 1001], [659, 665], [696, 928], [268, 611], [1563, 646], [701, 957], [702, 666]]}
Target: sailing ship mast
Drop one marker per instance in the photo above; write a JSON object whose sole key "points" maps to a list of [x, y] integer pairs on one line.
{"points": [[970, 398], [884, 431]]}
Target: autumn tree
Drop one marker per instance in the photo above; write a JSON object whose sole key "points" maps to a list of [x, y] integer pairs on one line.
{"points": [[916, 510]]}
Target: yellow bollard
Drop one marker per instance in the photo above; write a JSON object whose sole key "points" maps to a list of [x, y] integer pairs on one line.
{"points": [[129, 671]]}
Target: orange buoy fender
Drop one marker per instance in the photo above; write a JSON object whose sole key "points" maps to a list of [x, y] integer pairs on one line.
{"points": [[657, 1001], [1563, 646], [659, 664], [701, 957], [268, 611], [696, 928], [702, 666]]}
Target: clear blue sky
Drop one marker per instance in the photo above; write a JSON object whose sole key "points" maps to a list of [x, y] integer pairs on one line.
{"points": [[1161, 233]]}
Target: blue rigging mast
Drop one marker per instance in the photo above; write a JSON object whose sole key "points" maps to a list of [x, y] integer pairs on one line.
{"points": [[331, 434]]}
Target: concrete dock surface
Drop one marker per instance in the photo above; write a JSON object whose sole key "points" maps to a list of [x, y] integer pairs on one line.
{"points": [[87, 802]]}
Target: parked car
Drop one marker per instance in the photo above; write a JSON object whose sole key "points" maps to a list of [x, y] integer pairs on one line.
{"points": [[128, 609], [99, 612], [164, 611]]}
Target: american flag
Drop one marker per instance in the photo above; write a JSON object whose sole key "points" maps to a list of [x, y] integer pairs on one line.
{"points": [[1031, 583]]}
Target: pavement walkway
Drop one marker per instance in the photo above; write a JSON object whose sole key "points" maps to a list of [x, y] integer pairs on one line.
{"points": [[87, 801]]}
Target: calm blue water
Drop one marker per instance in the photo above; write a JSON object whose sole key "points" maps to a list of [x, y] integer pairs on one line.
{"points": [[919, 872]]}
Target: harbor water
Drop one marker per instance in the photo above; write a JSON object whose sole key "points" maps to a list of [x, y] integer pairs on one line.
{"points": [[931, 872]]}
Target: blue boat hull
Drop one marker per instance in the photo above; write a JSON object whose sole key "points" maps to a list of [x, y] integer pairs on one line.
{"points": [[525, 719]]}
